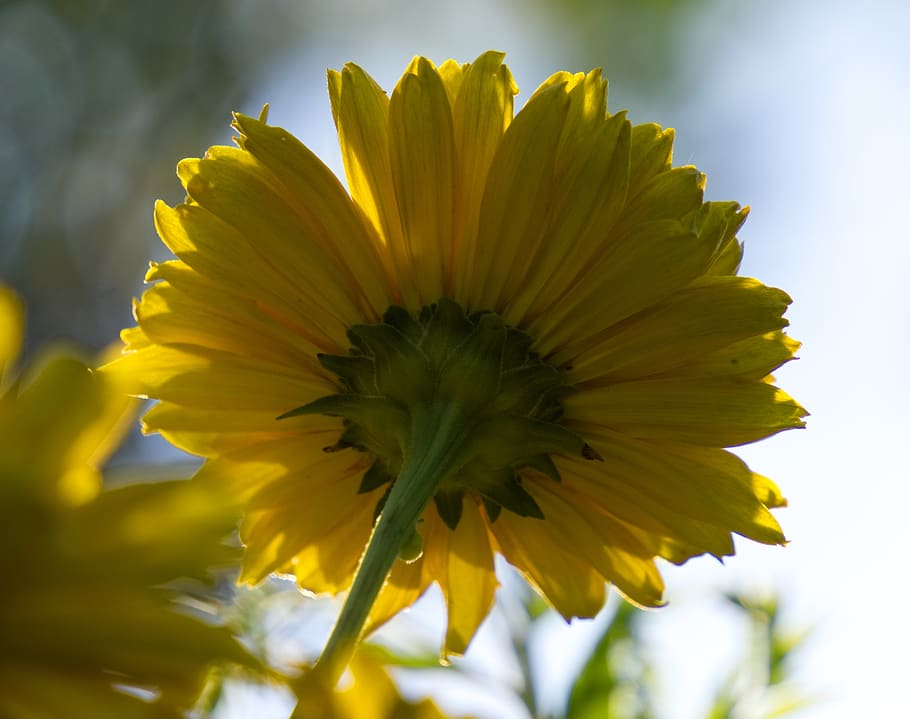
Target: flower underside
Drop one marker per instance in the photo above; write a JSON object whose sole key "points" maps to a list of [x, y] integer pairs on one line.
{"points": [[506, 399], [564, 220]]}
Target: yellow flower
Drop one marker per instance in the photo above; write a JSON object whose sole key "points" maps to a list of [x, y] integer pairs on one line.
{"points": [[368, 693], [524, 334], [84, 619]]}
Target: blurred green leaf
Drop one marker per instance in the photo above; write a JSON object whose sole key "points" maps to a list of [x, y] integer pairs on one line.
{"points": [[762, 679], [613, 682]]}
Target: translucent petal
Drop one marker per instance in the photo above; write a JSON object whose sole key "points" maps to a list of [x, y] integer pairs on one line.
{"points": [[606, 543], [568, 581], [361, 111], [321, 199], [209, 432], [706, 316], [225, 257], [168, 373], [587, 200], [709, 412], [232, 185], [422, 153], [667, 481], [470, 582], [520, 176], [406, 583], [482, 112]]}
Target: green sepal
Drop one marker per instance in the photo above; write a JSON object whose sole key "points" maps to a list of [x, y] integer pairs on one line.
{"points": [[374, 424], [526, 389], [493, 509], [401, 369], [342, 443], [373, 478], [506, 401], [356, 407], [543, 464], [504, 488], [504, 440], [383, 440], [449, 506], [355, 371], [473, 369], [401, 320], [588, 452], [447, 328], [518, 349]]}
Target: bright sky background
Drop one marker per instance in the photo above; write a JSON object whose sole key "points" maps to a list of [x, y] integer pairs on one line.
{"points": [[799, 112]]}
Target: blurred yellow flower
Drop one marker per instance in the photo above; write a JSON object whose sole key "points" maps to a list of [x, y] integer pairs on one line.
{"points": [[525, 334], [368, 692], [87, 627]]}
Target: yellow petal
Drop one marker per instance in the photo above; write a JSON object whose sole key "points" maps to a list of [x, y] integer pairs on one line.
{"points": [[221, 254], [730, 250], [361, 111], [328, 565], [637, 269], [60, 429], [305, 513], [422, 153], [672, 482], [211, 318], [708, 315], [636, 507], [404, 586], [470, 582], [452, 75], [587, 110], [322, 200], [133, 338], [670, 195], [209, 432], [12, 327], [297, 511], [749, 359], [168, 373], [232, 185], [606, 543], [586, 203], [521, 175], [652, 153], [482, 112], [708, 412], [569, 582]]}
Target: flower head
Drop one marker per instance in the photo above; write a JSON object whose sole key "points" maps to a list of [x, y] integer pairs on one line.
{"points": [[540, 312], [85, 619]]}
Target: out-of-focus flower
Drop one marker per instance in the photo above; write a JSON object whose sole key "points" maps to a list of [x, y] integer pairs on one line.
{"points": [[525, 335], [367, 692], [89, 625]]}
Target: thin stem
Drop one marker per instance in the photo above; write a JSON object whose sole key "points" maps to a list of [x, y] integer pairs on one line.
{"points": [[436, 431]]}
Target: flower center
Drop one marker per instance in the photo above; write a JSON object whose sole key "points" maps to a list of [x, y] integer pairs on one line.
{"points": [[483, 372]]}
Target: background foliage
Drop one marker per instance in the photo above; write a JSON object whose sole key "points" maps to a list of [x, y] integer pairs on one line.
{"points": [[796, 108]]}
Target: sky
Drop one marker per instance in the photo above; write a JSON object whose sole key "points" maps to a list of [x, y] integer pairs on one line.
{"points": [[798, 110]]}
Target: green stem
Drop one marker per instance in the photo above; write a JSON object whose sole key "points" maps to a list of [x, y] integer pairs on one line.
{"points": [[436, 432]]}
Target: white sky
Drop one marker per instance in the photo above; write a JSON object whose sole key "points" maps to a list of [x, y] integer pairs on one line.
{"points": [[800, 113]]}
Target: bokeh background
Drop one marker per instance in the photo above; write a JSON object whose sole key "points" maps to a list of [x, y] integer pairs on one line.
{"points": [[795, 108]]}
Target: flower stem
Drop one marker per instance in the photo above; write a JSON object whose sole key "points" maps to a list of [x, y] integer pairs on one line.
{"points": [[436, 432]]}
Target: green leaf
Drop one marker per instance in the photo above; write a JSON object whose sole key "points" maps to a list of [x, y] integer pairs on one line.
{"points": [[606, 676]]}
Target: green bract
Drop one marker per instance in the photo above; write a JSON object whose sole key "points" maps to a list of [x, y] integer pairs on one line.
{"points": [[508, 401]]}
